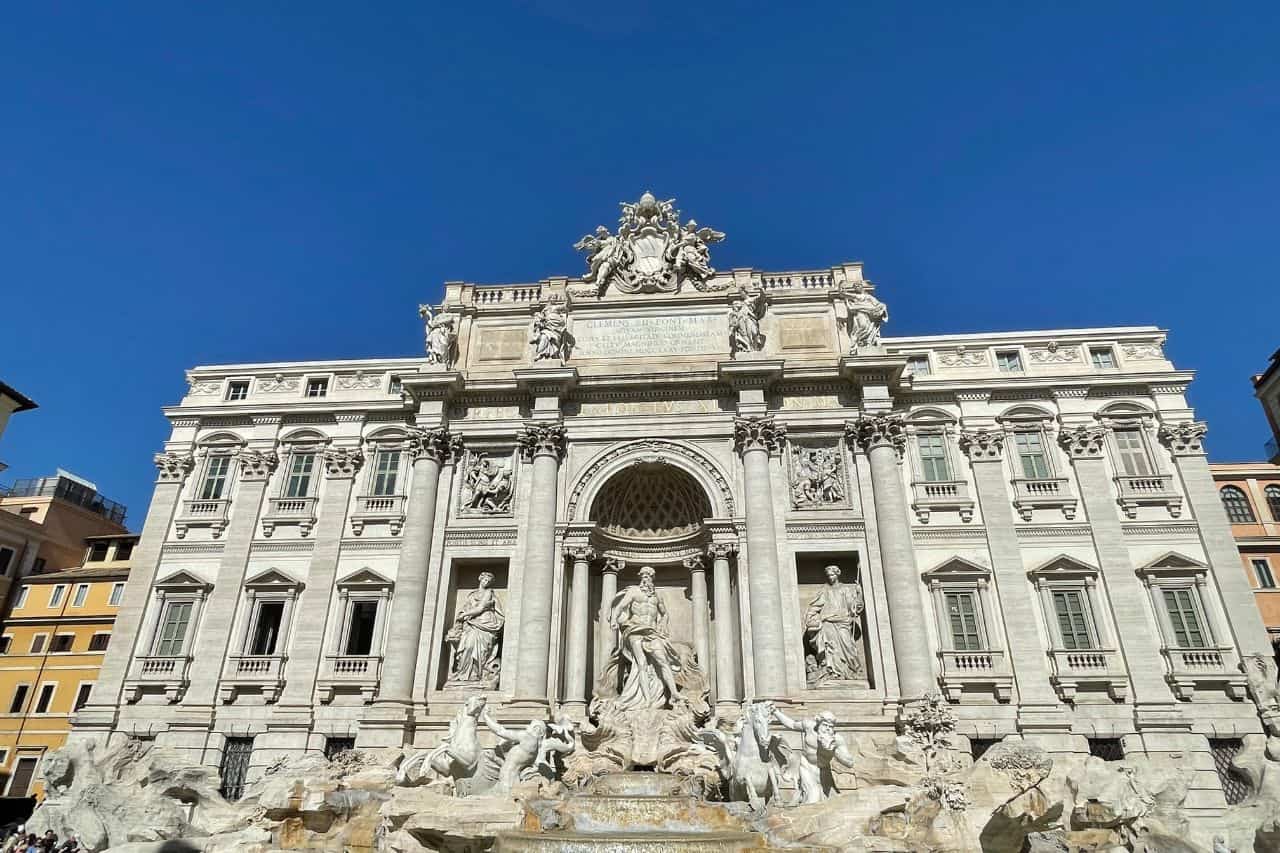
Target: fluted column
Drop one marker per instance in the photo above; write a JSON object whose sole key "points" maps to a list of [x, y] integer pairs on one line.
{"points": [[429, 448], [698, 598], [99, 714], [214, 638], [575, 692], [883, 438], [756, 438], [608, 590], [721, 589], [543, 442], [341, 464]]}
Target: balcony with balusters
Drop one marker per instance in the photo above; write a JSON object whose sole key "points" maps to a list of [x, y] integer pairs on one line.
{"points": [[930, 496], [1030, 494], [386, 509], [299, 511], [257, 673], [167, 674], [351, 674], [1089, 669], [202, 513], [1214, 667], [1134, 491], [976, 671]]}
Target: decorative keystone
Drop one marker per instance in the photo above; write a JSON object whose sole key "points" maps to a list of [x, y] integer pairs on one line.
{"points": [[758, 433]]}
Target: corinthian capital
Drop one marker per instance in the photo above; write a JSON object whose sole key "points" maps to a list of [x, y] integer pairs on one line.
{"points": [[580, 553], [982, 445], [1083, 442], [1185, 438], [342, 462], [173, 467], [722, 550], [694, 562], [759, 433], [434, 443], [540, 438], [257, 464], [872, 431]]}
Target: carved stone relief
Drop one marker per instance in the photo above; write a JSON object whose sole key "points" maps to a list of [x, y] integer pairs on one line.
{"points": [[818, 476], [961, 357], [486, 485]]}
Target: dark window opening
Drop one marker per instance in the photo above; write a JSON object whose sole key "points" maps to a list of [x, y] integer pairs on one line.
{"points": [[978, 746], [19, 699], [23, 772], [45, 699], [1224, 750], [62, 643], [266, 633], [336, 745], [1106, 748], [97, 552], [235, 766], [98, 642], [82, 696], [124, 550], [360, 634]]}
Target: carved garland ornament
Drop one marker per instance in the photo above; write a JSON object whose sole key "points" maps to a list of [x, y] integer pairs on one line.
{"points": [[1184, 439], [173, 467], [655, 448]]}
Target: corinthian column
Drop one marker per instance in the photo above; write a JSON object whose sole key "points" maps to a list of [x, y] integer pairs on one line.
{"points": [[756, 438], [698, 598], [387, 720], [883, 438], [575, 691], [543, 442], [98, 716], [608, 589], [726, 677]]}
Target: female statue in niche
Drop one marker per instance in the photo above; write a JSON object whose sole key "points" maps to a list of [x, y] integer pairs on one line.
{"points": [[833, 632], [476, 637]]}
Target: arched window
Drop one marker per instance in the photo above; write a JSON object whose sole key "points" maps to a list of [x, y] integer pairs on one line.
{"points": [[1273, 501], [1237, 506]]}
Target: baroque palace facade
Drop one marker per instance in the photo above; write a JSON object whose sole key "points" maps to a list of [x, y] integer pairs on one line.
{"points": [[345, 552]]}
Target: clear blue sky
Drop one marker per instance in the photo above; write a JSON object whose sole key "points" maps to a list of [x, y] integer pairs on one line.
{"points": [[187, 184]]}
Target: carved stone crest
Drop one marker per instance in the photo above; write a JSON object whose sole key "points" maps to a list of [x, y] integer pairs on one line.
{"points": [[486, 488], [652, 252]]}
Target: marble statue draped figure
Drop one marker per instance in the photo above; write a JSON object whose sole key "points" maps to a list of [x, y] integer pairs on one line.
{"points": [[833, 632], [476, 638], [744, 324], [651, 660], [866, 315]]}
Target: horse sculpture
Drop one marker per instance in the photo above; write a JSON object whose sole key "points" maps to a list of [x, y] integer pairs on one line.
{"points": [[751, 768]]}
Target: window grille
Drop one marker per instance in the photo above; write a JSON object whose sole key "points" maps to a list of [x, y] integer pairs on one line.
{"points": [[235, 766], [1224, 750]]}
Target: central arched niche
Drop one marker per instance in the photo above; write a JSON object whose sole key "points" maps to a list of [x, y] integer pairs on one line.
{"points": [[652, 502]]}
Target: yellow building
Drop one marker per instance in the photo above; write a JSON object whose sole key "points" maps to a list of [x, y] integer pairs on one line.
{"points": [[51, 647]]}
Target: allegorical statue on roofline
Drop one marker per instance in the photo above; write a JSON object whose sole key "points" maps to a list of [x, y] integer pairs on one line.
{"points": [[652, 252]]}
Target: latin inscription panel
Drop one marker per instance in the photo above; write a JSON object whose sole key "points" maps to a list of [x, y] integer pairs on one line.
{"points": [[637, 337]]}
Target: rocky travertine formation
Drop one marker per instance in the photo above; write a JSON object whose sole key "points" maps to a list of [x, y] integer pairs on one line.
{"points": [[132, 797]]}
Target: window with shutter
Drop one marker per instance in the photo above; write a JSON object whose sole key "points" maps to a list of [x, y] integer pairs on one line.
{"points": [[1030, 447], [962, 615], [933, 457], [1185, 619], [1133, 453], [1073, 624], [173, 629]]}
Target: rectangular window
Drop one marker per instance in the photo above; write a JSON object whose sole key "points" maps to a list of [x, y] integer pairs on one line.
{"points": [[1009, 361], [300, 469], [45, 699], [56, 594], [6, 560], [1102, 358], [5, 643], [337, 745], [317, 387], [82, 593], [24, 770], [918, 365], [394, 386], [215, 478], [237, 389], [38, 567], [22, 598], [1187, 633], [236, 753], [1030, 447], [1262, 570], [173, 628], [1133, 453], [82, 696], [1106, 748], [37, 643], [97, 552], [962, 616], [62, 642], [266, 630], [364, 614], [19, 699], [1073, 625], [117, 595], [98, 642], [124, 550], [386, 468], [933, 457]]}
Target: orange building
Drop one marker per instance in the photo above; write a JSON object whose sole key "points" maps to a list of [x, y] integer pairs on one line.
{"points": [[51, 647], [1250, 493]]}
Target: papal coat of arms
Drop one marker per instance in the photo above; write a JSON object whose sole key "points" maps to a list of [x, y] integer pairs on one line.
{"points": [[652, 251]]}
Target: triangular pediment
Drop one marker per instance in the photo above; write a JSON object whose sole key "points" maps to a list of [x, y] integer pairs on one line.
{"points": [[182, 578], [1064, 565], [1172, 562], [366, 577], [272, 577], [956, 567]]}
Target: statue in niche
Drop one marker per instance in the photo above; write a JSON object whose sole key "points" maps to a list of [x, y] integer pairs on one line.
{"points": [[644, 649], [550, 337], [441, 336], [816, 479], [745, 313], [476, 637], [487, 487], [866, 315], [833, 632], [819, 746]]}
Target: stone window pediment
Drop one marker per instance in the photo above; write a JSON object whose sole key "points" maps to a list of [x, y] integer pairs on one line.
{"points": [[272, 579], [1064, 567], [365, 578], [1172, 565], [183, 581], [957, 570]]}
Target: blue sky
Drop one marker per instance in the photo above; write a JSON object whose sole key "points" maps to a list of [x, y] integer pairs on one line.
{"points": [[187, 184]]}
